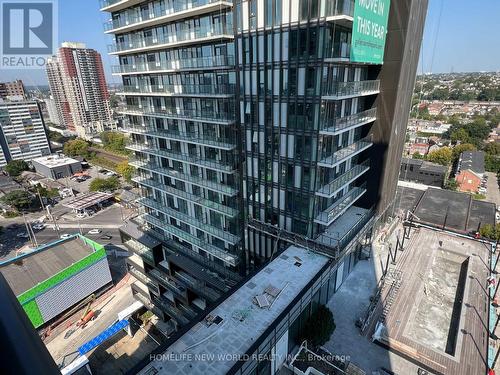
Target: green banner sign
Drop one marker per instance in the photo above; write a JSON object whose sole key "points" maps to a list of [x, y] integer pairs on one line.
{"points": [[369, 31]]}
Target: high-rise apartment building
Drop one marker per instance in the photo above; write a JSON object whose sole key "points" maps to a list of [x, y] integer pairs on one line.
{"points": [[256, 124], [22, 131], [12, 89], [78, 86]]}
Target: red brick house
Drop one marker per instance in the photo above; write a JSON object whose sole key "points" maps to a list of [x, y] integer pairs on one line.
{"points": [[468, 181]]}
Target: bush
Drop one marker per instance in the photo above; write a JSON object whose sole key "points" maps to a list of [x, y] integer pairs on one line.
{"points": [[15, 167], [491, 232], [105, 184], [319, 328]]}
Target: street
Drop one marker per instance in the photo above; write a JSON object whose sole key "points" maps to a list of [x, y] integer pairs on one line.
{"points": [[492, 191]]}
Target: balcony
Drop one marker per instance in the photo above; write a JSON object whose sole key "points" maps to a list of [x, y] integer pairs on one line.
{"points": [[346, 90], [221, 234], [219, 166], [141, 250], [116, 5], [162, 278], [196, 286], [172, 40], [215, 251], [215, 206], [340, 12], [328, 216], [193, 138], [161, 15], [332, 188], [219, 90], [194, 180], [339, 125], [210, 116], [197, 63], [345, 153], [165, 305]]}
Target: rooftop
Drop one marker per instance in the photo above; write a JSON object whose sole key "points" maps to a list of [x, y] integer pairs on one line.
{"points": [[55, 160], [26, 271], [239, 321], [87, 200], [425, 166], [473, 160], [454, 211]]}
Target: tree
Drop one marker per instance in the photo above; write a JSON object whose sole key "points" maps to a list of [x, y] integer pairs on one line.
{"points": [[417, 155], [77, 147], [491, 232], [15, 167], [105, 184], [458, 149], [20, 199], [47, 193], [442, 156], [114, 141], [126, 170], [460, 135], [451, 184], [319, 327]]}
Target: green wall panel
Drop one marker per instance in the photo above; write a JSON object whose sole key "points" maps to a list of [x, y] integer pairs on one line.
{"points": [[33, 313]]}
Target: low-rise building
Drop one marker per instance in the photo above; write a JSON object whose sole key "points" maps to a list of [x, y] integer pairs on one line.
{"points": [[57, 166], [468, 181], [55, 277], [473, 161], [423, 172]]}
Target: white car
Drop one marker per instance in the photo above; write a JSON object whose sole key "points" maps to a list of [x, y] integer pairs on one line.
{"points": [[81, 216], [497, 216], [65, 236], [22, 235], [94, 231], [38, 226]]}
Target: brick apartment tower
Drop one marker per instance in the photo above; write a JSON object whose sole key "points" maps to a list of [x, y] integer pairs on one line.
{"points": [[78, 86]]}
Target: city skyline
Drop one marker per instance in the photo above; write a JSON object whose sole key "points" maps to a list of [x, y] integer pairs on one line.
{"points": [[448, 52]]}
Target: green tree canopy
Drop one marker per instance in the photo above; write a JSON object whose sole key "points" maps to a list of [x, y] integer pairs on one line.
{"points": [[20, 199], [491, 232], [15, 167], [105, 184], [442, 156], [114, 141], [458, 149], [417, 155], [126, 170], [460, 135], [77, 147]]}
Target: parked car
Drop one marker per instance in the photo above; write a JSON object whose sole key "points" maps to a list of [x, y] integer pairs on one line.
{"points": [[81, 216], [94, 231], [65, 236], [39, 226], [22, 235], [106, 237]]}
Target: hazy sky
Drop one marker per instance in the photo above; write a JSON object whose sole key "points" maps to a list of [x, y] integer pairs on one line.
{"points": [[460, 35]]}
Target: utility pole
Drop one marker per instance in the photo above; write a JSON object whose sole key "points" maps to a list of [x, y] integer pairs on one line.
{"points": [[30, 232]]}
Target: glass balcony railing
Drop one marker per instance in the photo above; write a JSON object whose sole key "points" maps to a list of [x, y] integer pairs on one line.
{"points": [[330, 189], [194, 138], [164, 304], [221, 166], [328, 216], [166, 282], [172, 39], [338, 90], [183, 89], [187, 219], [340, 124], [132, 18], [215, 206], [108, 3], [189, 114], [196, 286], [195, 180], [339, 8], [140, 249], [345, 153], [176, 65], [217, 252]]}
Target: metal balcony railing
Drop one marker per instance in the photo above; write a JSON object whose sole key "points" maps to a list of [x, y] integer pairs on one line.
{"points": [[178, 156], [189, 114], [330, 161], [328, 216], [131, 18], [338, 90], [194, 34], [222, 234], [181, 89], [215, 206], [176, 65], [333, 187], [334, 126], [195, 180], [217, 252]]}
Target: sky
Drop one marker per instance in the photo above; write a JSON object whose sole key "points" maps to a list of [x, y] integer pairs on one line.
{"points": [[460, 36]]}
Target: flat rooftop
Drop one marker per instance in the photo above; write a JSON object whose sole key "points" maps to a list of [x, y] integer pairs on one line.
{"points": [[55, 160], [239, 321], [439, 310], [473, 160], [453, 211], [87, 200], [341, 227], [26, 271]]}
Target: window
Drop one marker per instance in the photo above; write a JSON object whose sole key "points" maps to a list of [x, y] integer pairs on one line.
{"points": [[253, 14], [269, 13]]}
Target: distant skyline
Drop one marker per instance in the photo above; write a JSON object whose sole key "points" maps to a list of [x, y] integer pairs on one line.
{"points": [[463, 39]]}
